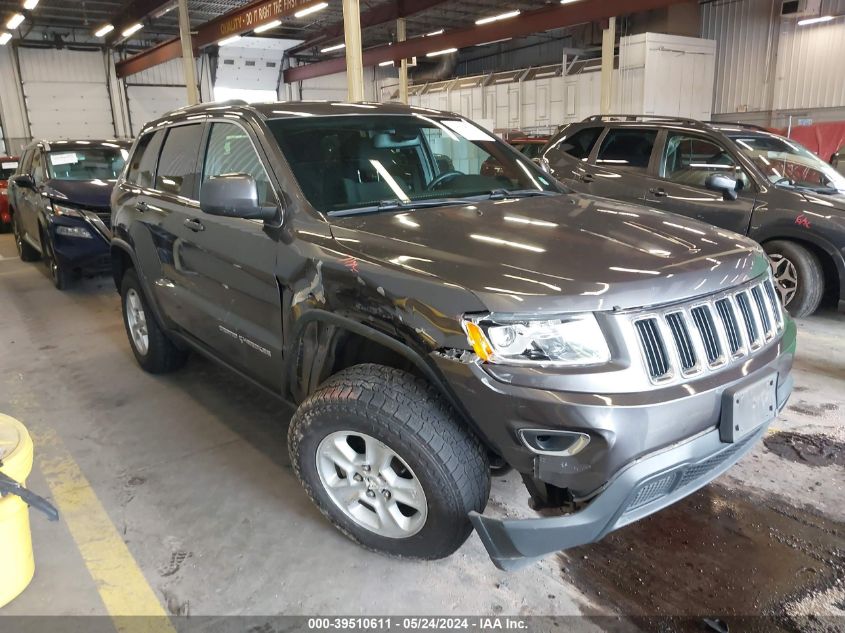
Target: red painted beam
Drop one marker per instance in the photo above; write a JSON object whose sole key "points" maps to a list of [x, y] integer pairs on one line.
{"points": [[235, 22], [528, 23], [372, 17]]}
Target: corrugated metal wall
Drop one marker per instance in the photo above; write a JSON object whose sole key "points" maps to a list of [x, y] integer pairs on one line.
{"points": [[768, 63]]}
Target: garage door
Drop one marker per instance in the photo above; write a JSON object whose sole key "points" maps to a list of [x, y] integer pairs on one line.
{"points": [[147, 103], [66, 93]]}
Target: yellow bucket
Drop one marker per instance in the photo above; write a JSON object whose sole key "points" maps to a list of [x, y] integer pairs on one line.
{"points": [[17, 565]]}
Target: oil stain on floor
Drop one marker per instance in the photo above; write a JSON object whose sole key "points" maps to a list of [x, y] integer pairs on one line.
{"points": [[812, 450], [718, 554]]}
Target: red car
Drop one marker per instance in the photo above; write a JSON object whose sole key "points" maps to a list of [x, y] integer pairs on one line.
{"points": [[8, 165]]}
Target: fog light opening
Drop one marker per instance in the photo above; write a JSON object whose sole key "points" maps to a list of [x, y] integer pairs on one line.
{"points": [[549, 442]]}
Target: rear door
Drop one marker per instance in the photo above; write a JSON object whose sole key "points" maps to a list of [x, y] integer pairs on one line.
{"points": [[29, 201], [677, 183], [231, 262]]}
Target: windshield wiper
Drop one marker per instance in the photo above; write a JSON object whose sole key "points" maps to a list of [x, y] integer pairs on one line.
{"points": [[395, 205], [502, 194]]}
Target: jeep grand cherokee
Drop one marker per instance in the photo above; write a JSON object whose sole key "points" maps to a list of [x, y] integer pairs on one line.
{"points": [[432, 322]]}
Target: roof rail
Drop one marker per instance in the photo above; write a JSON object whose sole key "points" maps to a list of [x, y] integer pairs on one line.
{"points": [[750, 126], [203, 106], [643, 117]]}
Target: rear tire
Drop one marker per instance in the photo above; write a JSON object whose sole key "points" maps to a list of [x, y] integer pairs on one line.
{"points": [[798, 275], [25, 250], [154, 352], [372, 435]]}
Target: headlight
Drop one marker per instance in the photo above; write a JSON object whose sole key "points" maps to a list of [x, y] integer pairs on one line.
{"points": [[561, 342], [70, 212], [73, 231]]}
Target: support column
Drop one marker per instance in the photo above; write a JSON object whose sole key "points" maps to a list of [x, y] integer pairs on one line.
{"points": [[188, 53], [608, 41], [403, 67], [354, 61]]}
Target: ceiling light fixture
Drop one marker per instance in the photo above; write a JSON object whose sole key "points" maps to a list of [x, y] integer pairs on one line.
{"points": [[229, 40], [336, 47], [501, 16], [15, 21], [132, 29], [568, 1], [4, 38], [437, 32], [29, 5], [822, 18], [443, 52], [104, 30], [504, 39], [387, 63], [268, 26], [312, 9]]}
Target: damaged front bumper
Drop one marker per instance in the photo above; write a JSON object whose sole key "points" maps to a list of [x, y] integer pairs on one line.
{"points": [[643, 487]]}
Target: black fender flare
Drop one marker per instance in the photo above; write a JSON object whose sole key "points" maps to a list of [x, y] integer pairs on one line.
{"points": [[356, 327], [122, 245], [813, 239]]}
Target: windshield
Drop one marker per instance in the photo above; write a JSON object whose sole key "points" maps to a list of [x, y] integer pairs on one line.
{"points": [[7, 168], [357, 162], [787, 164], [86, 164]]}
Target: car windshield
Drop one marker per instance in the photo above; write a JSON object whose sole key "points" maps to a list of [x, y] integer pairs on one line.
{"points": [[374, 162], [96, 163], [7, 168], [787, 164]]}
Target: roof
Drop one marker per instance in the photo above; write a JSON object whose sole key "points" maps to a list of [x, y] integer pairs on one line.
{"points": [[79, 144]]}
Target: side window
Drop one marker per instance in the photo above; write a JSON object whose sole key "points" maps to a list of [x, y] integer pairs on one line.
{"points": [[688, 160], [25, 166], [142, 168], [38, 174], [627, 148], [177, 165], [230, 151], [580, 144]]}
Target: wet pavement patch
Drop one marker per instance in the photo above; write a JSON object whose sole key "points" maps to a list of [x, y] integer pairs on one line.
{"points": [[718, 555], [812, 450]]}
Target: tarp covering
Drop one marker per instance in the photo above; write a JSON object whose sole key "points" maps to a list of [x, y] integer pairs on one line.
{"points": [[822, 138]]}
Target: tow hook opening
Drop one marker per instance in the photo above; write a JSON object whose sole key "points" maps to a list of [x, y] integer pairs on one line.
{"points": [[552, 442]]}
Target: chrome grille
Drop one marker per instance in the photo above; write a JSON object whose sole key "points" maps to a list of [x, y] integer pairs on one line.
{"points": [[655, 352], [709, 333]]}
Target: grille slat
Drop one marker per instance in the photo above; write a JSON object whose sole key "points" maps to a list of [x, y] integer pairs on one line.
{"points": [[726, 313], [683, 342], [657, 358], [707, 329], [720, 329]]}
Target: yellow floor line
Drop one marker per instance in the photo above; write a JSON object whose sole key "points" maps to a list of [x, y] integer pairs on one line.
{"points": [[120, 582]]}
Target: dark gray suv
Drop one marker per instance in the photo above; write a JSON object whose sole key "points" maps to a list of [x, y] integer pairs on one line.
{"points": [[433, 320], [738, 177]]}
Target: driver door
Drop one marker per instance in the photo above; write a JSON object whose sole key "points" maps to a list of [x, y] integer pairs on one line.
{"points": [[678, 186]]}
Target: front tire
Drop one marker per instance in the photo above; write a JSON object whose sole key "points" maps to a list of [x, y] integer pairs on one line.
{"points": [[154, 352], [385, 460], [60, 276], [798, 275]]}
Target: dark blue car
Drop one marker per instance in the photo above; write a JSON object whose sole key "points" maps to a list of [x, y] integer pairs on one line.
{"points": [[59, 201]]}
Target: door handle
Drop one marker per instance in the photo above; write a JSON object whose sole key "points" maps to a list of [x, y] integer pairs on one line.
{"points": [[142, 206], [658, 192], [194, 225], [587, 178]]}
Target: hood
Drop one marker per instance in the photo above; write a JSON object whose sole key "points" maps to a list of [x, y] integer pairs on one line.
{"points": [[85, 193], [822, 201], [557, 254]]}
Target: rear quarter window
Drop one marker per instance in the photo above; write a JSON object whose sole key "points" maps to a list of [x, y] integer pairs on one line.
{"points": [[627, 148], [142, 166], [577, 145]]}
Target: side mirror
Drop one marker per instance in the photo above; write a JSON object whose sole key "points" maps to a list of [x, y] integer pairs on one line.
{"points": [[234, 196], [722, 183], [25, 181]]}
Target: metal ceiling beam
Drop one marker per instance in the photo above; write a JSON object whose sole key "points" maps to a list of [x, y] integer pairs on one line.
{"points": [[527, 23], [133, 12], [387, 12], [235, 22]]}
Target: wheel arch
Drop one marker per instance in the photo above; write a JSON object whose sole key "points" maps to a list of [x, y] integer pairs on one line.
{"points": [[833, 264]]}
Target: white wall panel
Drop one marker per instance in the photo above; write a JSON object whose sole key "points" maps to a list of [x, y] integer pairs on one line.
{"points": [[147, 103], [66, 93]]}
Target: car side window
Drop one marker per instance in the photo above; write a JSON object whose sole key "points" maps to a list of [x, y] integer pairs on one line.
{"points": [[26, 163], [627, 148], [689, 160], [38, 173], [142, 167], [230, 151], [580, 144], [177, 165]]}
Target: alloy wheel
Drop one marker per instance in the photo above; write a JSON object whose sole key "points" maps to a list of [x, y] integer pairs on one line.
{"points": [[786, 276], [136, 319], [371, 484], [18, 238]]}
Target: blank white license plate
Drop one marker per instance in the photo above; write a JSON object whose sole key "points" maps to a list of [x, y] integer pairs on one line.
{"points": [[748, 406]]}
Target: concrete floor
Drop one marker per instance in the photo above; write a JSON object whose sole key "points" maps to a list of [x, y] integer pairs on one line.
{"points": [[192, 470]]}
